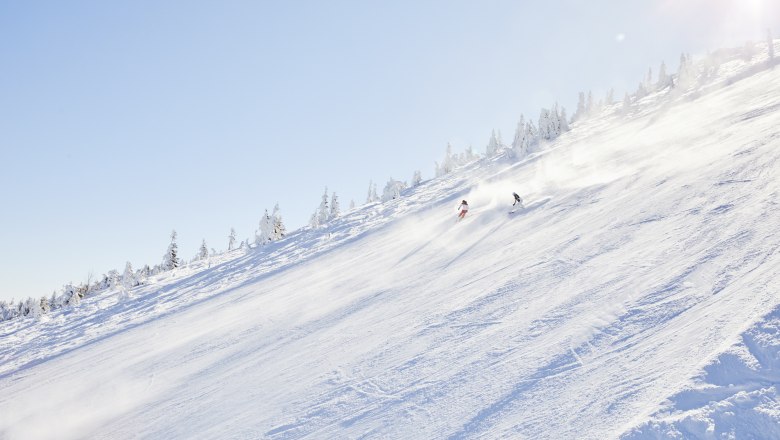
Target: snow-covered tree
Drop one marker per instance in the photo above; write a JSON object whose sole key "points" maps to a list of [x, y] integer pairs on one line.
{"points": [[416, 178], [610, 98], [335, 209], [641, 91], [279, 229], [171, 257], [45, 306], [203, 252], [649, 86], [686, 75], [663, 78], [449, 160], [114, 279], [232, 239], [71, 295], [314, 221], [265, 229], [352, 204], [626, 104], [563, 121], [33, 308], [590, 106], [372, 195], [581, 109], [493, 145], [519, 142], [128, 277], [393, 190], [324, 210], [545, 125]]}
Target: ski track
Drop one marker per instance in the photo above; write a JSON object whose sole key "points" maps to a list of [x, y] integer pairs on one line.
{"points": [[636, 296]]}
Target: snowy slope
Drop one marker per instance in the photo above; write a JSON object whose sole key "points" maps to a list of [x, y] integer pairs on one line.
{"points": [[627, 300]]}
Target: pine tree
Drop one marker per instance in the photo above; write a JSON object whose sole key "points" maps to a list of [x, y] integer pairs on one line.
{"points": [[449, 160], [314, 221], [393, 190], [278, 230], [610, 98], [203, 252], [590, 107], [231, 239], [265, 228], [335, 209], [324, 211], [171, 257], [663, 78], [626, 104], [544, 124], [581, 109], [128, 276], [416, 178], [45, 306], [372, 196], [563, 121], [352, 204], [493, 145]]}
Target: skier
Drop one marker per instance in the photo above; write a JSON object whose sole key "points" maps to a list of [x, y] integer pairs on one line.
{"points": [[517, 200], [464, 208]]}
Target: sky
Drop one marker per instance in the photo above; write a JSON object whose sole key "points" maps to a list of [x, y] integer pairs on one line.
{"points": [[121, 121]]}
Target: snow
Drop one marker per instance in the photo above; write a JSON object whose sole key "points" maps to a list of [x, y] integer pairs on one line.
{"points": [[639, 298]]}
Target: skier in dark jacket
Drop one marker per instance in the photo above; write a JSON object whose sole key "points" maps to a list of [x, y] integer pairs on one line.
{"points": [[517, 200]]}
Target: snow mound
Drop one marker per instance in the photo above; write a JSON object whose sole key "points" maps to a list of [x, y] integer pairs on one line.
{"points": [[735, 397]]}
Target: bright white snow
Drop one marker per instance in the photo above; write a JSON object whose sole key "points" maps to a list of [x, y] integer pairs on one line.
{"points": [[636, 296]]}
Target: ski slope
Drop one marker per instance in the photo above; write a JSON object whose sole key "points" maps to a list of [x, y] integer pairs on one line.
{"points": [[636, 297]]}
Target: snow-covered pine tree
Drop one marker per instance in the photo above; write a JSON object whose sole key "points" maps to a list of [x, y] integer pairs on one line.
{"points": [[231, 239], [279, 230], [581, 109], [128, 277], [685, 75], [203, 252], [266, 226], [393, 190], [663, 78], [314, 221], [45, 306], [33, 308], [590, 106], [544, 124], [372, 195], [71, 295], [335, 209], [519, 143], [171, 257], [610, 98], [493, 145], [324, 210], [114, 279], [641, 91], [416, 178], [352, 204], [626, 104], [649, 85], [449, 160]]}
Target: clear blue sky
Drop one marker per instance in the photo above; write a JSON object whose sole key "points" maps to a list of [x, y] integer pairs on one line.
{"points": [[120, 121]]}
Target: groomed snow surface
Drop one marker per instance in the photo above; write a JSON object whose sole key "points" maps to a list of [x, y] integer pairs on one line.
{"points": [[636, 297]]}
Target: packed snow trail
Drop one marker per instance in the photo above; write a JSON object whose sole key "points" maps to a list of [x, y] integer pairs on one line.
{"points": [[656, 252]]}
